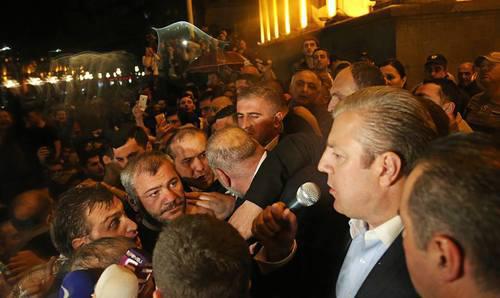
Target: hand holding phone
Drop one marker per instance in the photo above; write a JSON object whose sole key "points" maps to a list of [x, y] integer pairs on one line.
{"points": [[143, 102]]}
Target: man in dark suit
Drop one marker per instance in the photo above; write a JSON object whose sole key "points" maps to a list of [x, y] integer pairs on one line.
{"points": [[377, 134], [236, 159], [450, 209]]}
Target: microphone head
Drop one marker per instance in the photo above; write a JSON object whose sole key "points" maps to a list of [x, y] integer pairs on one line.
{"points": [[308, 194]]}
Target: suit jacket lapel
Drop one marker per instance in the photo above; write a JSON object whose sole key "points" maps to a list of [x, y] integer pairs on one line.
{"points": [[389, 274]]}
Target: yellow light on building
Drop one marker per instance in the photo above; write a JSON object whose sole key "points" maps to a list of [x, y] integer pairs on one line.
{"points": [[355, 8], [287, 16], [303, 14], [331, 7], [275, 19], [268, 21], [261, 17]]}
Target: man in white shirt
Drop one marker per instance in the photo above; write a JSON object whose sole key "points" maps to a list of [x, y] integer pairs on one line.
{"points": [[377, 134], [235, 157]]}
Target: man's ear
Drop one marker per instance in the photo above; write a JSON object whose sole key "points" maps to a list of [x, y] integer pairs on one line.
{"points": [[223, 177], [79, 242], [389, 168], [449, 108], [404, 80], [447, 256], [278, 119]]}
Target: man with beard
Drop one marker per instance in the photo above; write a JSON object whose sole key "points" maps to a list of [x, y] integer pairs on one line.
{"points": [[152, 182]]}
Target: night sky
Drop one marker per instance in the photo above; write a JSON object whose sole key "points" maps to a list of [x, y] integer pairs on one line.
{"points": [[33, 28]]}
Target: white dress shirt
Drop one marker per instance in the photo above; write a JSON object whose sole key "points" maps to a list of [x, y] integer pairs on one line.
{"points": [[366, 248]]}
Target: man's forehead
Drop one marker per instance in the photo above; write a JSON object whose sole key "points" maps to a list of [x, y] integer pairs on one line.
{"points": [[320, 53], [100, 209], [309, 42], [307, 77], [131, 144], [342, 128], [189, 143], [255, 103]]}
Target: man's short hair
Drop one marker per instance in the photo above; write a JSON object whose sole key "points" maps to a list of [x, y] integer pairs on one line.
{"points": [[324, 50], [84, 156], [366, 75], [30, 209], [100, 253], [292, 81], [180, 134], [71, 213], [438, 116], [269, 95], [458, 193], [393, 120], [228, 147], [147, 162], [201, 256], [449, 92], [119, 138], [309, 37]]}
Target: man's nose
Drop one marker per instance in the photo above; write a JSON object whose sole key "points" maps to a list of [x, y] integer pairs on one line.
{"points": [[197, 165]]}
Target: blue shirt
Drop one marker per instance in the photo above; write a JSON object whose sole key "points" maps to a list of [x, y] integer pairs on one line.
{"points": [[366, 248]]}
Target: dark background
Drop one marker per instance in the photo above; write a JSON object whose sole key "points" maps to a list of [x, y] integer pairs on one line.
{"points": [[33, 28]]}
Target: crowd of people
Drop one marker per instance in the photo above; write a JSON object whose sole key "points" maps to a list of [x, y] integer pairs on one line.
{"points": [[154, 196]]}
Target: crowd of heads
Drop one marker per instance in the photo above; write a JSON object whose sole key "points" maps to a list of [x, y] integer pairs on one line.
{"points": [[86, 190]]}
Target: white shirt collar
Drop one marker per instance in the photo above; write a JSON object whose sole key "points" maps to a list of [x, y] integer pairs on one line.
{"points": [[259, 164], [386, 232]]}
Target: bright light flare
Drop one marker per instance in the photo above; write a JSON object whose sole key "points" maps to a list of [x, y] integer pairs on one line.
{"points": [[286, 7], [268, 20], [303, 14], [52, 80], [11, 84], [261, 17], [275, 19], [88, 76], [331, 7], [35, 81]]}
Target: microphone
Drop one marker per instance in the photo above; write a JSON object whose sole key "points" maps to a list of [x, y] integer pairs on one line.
{"points": [[307, 195]]}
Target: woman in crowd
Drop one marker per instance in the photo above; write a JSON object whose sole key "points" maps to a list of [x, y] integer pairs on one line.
{"points": [[394, 73]]}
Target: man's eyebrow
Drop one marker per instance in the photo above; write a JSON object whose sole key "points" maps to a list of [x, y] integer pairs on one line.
{"points": [[116, 214], [132, 154], [151, 189]]}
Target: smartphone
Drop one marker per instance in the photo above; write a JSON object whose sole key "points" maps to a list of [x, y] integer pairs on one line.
{"points": [[143, 102]]}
